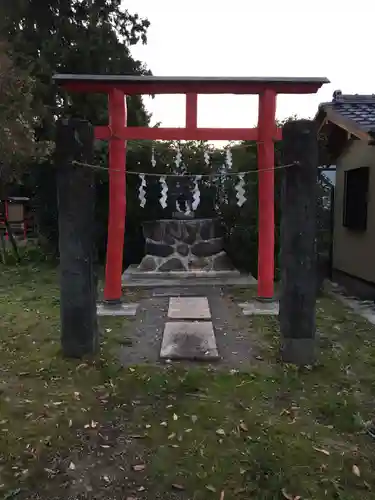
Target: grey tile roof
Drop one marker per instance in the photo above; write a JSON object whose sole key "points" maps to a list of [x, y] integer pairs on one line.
{"points": [[358, 108]]}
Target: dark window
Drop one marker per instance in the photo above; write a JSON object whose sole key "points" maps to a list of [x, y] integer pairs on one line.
{"points": [[356, 198]]}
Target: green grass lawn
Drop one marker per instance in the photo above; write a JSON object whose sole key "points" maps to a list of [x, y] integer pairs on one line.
{"points": [[90, 429]]}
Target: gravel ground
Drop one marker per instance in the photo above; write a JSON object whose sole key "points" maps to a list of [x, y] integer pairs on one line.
{"points": [[231, 328]]}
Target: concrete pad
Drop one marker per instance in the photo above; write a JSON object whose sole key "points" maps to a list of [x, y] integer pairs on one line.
{"points": [[117, 310], [189, 308], [132, 277], [193, 340], [357, 306], [257, 308], [176, 292]]}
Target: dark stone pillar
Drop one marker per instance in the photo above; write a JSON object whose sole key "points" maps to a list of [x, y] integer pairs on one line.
{"points": [[76, 204], [298, 242]]}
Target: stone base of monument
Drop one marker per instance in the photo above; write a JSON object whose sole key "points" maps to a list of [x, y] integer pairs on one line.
{"points": [[132, 277], [177, 249]]}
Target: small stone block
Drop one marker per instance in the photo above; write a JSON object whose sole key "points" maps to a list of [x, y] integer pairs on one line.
{"points": [[193, 340], [189, 308], [256, 308], [116, 310]]}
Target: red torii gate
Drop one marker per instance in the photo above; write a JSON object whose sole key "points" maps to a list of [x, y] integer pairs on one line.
{"points": [[117, 133]]}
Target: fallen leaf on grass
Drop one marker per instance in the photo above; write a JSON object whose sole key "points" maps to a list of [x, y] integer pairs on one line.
{"points": [[356, 471], [209, 487], [72, 466], [288, 496], [12, 494], [172, 436], [175, 417], [220, 432], [92, 424], [322, 450], [178, 487], [194, 419], [139, 467], [51, 472], [243, 427]]}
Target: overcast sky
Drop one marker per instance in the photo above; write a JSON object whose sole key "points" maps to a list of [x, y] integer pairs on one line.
{"points": [[237, 38]]}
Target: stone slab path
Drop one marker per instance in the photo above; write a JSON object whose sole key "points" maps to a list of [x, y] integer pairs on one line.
{"points": [[189, 308], [144, 335], [191, 340]]}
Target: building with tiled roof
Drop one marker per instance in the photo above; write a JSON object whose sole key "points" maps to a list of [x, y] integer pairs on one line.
{"points": [[347, 130]]}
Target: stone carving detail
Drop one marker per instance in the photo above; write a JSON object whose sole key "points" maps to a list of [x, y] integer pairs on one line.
{"points": [[184, 245]]}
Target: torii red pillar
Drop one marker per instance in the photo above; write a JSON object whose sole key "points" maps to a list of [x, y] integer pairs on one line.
{"points": [[117, 196], [117, 133], [266, 205]]}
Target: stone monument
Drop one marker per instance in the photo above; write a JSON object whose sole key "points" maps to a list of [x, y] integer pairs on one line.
{"points": [[184, 244], [183, 247]]}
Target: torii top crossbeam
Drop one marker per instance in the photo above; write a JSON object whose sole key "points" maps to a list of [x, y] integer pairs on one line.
{"points": [[116, 86], [191, 86], [133, 84]]}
